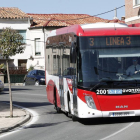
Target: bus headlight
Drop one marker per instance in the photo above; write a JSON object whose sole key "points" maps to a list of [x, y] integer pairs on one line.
{"points": [[90, 102]]}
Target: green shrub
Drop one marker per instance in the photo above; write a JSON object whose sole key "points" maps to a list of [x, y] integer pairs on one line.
{"points": [[31, 68], [2, 66]]}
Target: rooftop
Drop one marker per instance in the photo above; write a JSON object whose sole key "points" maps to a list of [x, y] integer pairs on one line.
{"points": [[40, 20], [12, 13], [56, 20]]}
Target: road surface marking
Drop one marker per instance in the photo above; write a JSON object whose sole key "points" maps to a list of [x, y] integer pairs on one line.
{"points": [[34, 116], [118, 131]]}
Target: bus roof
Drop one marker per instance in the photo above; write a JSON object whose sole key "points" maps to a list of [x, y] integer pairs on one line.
{"points": [[98, 29]]}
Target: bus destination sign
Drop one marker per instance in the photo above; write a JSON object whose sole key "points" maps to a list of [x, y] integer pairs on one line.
{"points": [[114, 41]]}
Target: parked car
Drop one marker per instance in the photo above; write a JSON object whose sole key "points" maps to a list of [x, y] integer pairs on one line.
{"points": [[1, 86], [35, 77]]}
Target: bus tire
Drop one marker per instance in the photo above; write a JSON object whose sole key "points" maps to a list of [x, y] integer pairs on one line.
{"points": [[69, 105], [74, 118], [58, 110], [67, 114]]}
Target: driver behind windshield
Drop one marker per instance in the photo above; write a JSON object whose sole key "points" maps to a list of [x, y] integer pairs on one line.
{"points": [[134, 69]]}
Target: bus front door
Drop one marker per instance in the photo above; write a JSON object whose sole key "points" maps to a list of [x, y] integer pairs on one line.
{"points": [[61, 83]]}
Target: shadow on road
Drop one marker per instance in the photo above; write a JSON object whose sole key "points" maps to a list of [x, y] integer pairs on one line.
{"points": [[101, 121], [30, 104], [6, 90], [2, 92], [23, 88], [17, 89], [44, 124]]}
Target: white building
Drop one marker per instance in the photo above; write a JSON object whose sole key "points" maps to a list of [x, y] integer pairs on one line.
{"points": [[37, 42], [20, 21]]}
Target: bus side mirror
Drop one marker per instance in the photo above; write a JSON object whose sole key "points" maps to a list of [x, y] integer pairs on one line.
{"points": [[73, 54]]}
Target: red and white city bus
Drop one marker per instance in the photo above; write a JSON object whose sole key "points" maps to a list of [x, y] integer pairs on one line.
{"points": [[89, 70]]}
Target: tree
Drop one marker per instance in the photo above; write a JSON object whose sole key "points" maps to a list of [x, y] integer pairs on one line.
{"points": [[11, 43]]}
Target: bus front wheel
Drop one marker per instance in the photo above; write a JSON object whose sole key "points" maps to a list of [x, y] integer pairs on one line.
{"points": [[74, 118]]}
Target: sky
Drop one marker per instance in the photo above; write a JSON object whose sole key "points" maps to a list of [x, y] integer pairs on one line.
{"points": [[90, 7]]}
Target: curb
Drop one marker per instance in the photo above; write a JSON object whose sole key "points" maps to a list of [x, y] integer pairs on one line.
{"points": [[21, 122], [14, 84]]}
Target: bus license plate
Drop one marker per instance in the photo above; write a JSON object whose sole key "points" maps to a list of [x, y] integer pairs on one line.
{"points": [[119, 114]]}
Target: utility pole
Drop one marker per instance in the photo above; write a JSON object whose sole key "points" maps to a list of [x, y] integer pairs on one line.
{"points": [[115, 17]]}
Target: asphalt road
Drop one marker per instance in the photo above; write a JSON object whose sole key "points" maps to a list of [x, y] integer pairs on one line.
{"points": [[52, 126]]}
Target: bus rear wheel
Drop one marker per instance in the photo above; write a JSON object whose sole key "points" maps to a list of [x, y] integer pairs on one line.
{"points": [[58, 110], [69, 107]]}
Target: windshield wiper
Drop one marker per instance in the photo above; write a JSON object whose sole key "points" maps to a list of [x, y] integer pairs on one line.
{"points": [[82, 87], [102, 81]]}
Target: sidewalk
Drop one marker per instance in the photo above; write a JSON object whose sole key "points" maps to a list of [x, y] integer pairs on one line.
{"points": [[20, 116]]}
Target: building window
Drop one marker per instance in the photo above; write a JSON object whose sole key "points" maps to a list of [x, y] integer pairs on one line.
{"points": [[137, 2], [37, 46], [23, 33]]}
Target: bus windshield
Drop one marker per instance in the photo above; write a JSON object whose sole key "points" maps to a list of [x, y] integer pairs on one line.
{"points": [[108, 61]]}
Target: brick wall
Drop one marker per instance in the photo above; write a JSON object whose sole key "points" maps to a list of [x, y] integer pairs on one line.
{"points": [[130, 11]]}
